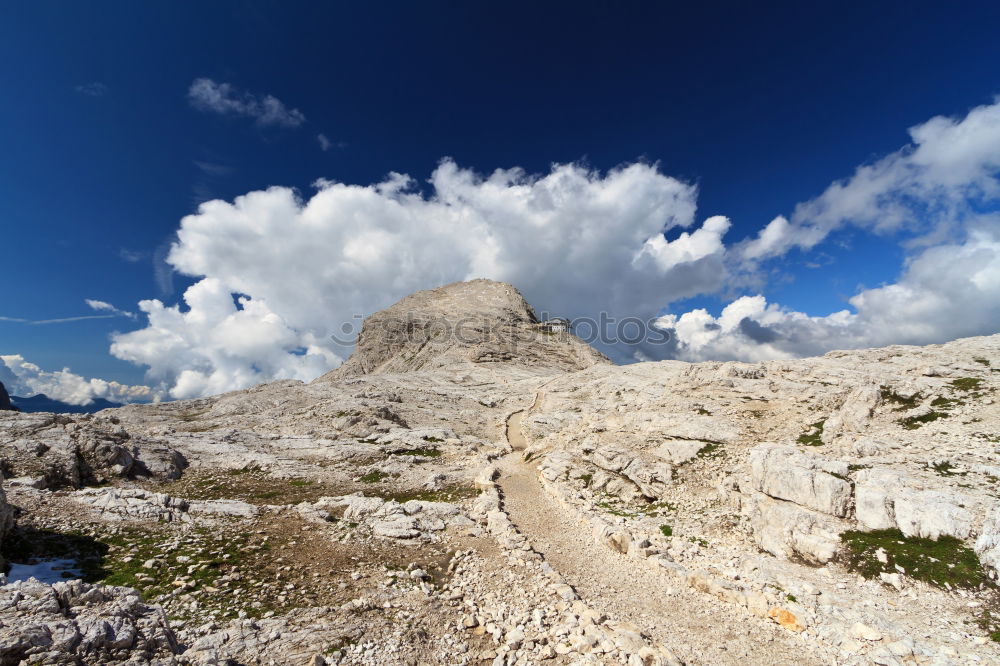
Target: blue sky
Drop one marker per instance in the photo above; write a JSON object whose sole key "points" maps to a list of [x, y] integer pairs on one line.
{"points": [[105, 149]]}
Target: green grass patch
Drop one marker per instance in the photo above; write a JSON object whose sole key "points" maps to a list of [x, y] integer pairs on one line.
{"points": [[616, 510], [982, 361], [448, 494], [902, 403], [301, 483], [710, 450], [422, 452], [667, 530], [947, 562], [813, 436], [945, 403], [587, 479], [914, 422], [375, 477], [965, 383]]}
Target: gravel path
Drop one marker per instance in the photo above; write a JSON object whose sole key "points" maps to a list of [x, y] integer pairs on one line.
{"points": [[698, 628]]}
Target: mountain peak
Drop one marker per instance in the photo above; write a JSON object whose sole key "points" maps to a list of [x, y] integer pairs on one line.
{"points": [[478, 321]]}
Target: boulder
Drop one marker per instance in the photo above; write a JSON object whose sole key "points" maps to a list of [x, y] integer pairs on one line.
{"points": [[988, 543], [789, 531], [651, 479], [72, 622], [854, 415], [886, 499], [808, 480], [409, 520]]}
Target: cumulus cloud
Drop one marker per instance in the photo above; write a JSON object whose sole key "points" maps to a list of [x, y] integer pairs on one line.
{"points": [[26, 379], [945, 292], [278, 275], [574, 240], [937, 182], [225, 99], [220, 344]]}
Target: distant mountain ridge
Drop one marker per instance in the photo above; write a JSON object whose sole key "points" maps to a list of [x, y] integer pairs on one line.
{"points": [[43, 403]]}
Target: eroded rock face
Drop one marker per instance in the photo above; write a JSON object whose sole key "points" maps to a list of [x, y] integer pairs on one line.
{"points": [[788, 530], [730, 481], [7, 516], [988, 543], [5, 399], [69, 451], [73, 622], [887, 499], [479, 322], [808, 480]]}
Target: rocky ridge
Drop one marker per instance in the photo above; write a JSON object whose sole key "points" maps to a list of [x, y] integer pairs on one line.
{"points": [[507, 496]]}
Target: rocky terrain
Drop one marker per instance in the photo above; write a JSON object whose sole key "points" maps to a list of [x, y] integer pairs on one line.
{"points": [[476, 487]]}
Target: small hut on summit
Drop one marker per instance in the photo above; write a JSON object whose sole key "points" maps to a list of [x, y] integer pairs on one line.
{"points": [[556, 325]]}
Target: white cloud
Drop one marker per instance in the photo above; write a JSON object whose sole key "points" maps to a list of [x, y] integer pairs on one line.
{"points": [[945, 292], [103, 306], [574, 241], [944, 185], [930, 184], [26, 379], [220, 344], [225, 99], [324, 143]]}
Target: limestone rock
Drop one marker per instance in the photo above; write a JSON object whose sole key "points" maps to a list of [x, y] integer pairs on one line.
{"points": [[808, 480], [887, 499], [73, 622], [988, 543], [787, 530], [480, 321], [5, 399]]}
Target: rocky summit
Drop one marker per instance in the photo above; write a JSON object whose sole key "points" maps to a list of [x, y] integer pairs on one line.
{"points": [[474, 486]]}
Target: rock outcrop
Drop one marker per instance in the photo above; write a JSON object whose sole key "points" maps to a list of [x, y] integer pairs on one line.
{"points": [[808, 480], [480, 322], [473, 486], [69, 452], [887, 499], [73, 622], [5, 404]]}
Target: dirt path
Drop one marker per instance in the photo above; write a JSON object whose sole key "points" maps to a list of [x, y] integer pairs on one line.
{"points": [[698, 628]]}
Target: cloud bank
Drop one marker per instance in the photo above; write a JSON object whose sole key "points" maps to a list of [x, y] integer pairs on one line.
{"points": [[225, 99], [572, 240], [278, 274], [943, 191], [26, 379], [947, 291]]}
